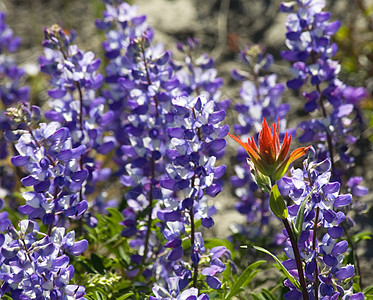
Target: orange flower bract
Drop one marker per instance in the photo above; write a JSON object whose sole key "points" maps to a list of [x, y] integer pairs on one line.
{"points": [[270, 159]]}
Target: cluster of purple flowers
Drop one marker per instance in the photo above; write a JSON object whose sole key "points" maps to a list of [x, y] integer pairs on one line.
{"points": [[261, 98], [158, 123], [11, 91], [191, 172], [76, 106], [311, 50], [324, 271], [35, 266], [168, 141]]}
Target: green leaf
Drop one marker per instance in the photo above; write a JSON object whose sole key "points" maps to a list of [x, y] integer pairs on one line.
{"points": [[255, 296], [244, 279], [361, 236], [356, 286], [99, 295], [125, 296], [268, 295], [123, 254], [368, 290], [283, 269], [277, 203], [5, 297], [227, 272]]}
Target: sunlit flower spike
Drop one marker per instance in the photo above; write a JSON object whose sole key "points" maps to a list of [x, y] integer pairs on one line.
{"points": [[269, 159]]}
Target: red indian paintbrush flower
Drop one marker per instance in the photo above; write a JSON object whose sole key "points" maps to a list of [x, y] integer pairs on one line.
{"points": [[269, 159]]}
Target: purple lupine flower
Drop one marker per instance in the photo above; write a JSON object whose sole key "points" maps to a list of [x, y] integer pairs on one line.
{"points": [[312, 184], [74, 103], [34, 265], [160, 293], [216, 266], [142, 81], [197, 76], [261, 98], [195, 133], [4, 220], [309, 39], [53, 169], [11, 92], [138, 76]]}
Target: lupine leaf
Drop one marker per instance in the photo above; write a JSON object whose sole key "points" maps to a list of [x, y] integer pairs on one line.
{"points": [[227, 272], [277, 203], [256, 297], [244, 279], [283, 269], [125, 296], [361, 236], [368, 290], [268, 295]]}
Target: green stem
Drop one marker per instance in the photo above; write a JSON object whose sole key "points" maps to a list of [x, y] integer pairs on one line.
{"points": [[192, 242]]}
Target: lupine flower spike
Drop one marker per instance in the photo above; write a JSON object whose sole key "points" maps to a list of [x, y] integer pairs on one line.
{"points": [[269, 159]]}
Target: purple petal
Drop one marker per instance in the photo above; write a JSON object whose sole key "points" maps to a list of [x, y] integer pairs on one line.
{"points": [[335, 232], [175, 132], [29, 180], [57, 93], [79, 176], [175, 254], [340, 247], [106, 118], [218, 145], [332, 28], [343, 200], [168, 184], [345, 272], [330, 260], [213, 190], [169, 216], [218, 251], [19, 160], [213, 282], [217, 117], [42, 186], [78, 248], [106, 147]]}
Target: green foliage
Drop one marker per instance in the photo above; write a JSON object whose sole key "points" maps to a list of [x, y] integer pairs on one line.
{"points": [[277, 203], [281, 266], [103, 269], [263, 295], [361, 236], [368, 292], [244, 279]]}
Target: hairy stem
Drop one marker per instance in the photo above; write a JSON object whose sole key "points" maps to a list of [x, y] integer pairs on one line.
{"points": [[298, 260], [316, 287]]}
